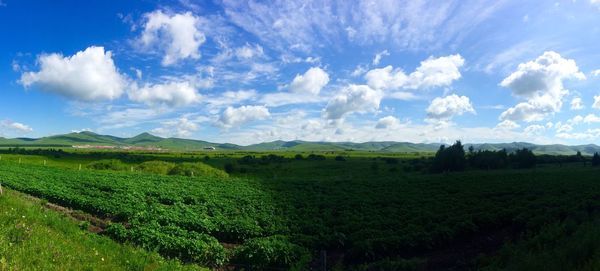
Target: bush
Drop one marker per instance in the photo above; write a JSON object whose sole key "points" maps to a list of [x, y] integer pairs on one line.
{"points": [[298, 157], [340, 158], [317, 157], [230, 168], [156, 167], [273, 251], [197, 169], [109, 164]]}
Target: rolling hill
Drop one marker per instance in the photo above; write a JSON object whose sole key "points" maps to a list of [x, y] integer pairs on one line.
{"points": [[179, 144]]}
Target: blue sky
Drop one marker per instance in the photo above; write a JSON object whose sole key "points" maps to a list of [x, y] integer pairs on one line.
{"points": [[252, 71]]}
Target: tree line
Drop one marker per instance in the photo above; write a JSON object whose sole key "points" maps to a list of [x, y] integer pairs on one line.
{"points": [[454, 158]]}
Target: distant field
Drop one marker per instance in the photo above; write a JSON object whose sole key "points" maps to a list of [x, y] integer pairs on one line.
{"points": [[358, 212]]}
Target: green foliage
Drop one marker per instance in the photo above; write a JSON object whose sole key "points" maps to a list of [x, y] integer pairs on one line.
{"points": [[596, 160], [523, 158], [488, 159], [367, 213], [450, 159], [35, 238], [197, 169], [156, 167], [273, 251], [108, 164]]}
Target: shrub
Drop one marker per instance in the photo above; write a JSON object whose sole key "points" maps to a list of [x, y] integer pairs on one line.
{"points": [[109, 164], [316, 157], [273, 251], [156, 167], [230, 168], [298, 157], [197, 169], [340, 158]]}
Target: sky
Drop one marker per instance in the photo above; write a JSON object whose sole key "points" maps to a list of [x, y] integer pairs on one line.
{"points": [[246, 72]]}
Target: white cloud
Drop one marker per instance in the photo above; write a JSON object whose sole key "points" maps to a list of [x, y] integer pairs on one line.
{"points": [[591, 118], [15, 126], [237, 116], [177, 35], [248, 51], [596, 72], [286, 98], [534, 130], [562, 128], [170, 93], [540, 82], [311, 82], [432, 72], [182, 127], [353, 98], [306, 25], [507, 125], [596, 103], [387, 122], [359, 70], [378, 57], [88, 75], [232, 97], [576, 104], [444, 108]]}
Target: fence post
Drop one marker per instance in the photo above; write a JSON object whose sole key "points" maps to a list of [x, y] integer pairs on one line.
{"points": [[79, 166], [44, 162]]}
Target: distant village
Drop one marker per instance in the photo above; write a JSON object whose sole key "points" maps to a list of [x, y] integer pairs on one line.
{"points": [[129, 148], [108, 147]]}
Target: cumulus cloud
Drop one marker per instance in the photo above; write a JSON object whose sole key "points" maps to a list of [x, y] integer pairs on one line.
{"points": [[182, 127], [237, 116], [177, 35], [444, 108], [353, 98], [576, 104], [432, 72], [540, 82], [15, 126], [304, 88], [591, 118], [596, 72], [534, 130], [170, 93], [507, 125], [596, 103], [387, 122], [378, 57], [89, 75], [311, 82]]}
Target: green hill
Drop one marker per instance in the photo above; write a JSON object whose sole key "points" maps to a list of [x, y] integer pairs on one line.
{"points": [[179, 144]]}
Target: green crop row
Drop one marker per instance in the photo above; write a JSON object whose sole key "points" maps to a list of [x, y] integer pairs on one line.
{"points": [[216, 221]]}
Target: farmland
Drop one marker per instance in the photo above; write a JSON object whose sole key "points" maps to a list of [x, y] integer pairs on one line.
{"points": [[346, 211]]}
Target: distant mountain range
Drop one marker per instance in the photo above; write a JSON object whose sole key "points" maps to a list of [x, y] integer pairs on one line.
{"points": [[151, 141]]}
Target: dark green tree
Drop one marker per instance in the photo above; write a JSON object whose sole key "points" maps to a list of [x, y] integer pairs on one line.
{"points": [[596, 160], [450, 159]]}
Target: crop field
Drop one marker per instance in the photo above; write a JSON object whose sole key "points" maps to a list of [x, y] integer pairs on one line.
{"points": [[363, 212]]}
